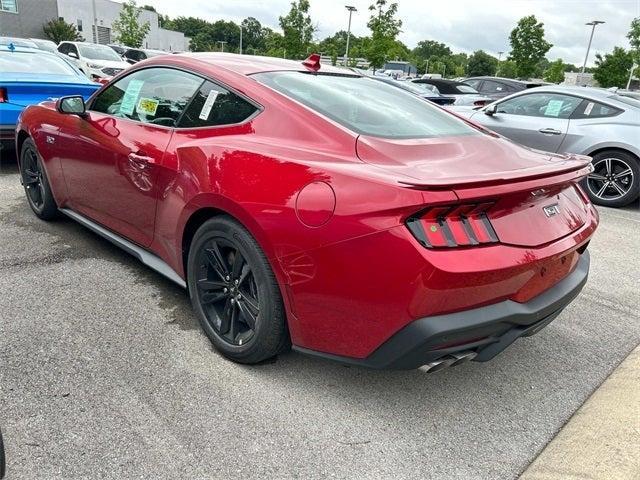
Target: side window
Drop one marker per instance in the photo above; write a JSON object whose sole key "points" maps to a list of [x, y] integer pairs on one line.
{"points": [[490, 86], [72, 48], [64, 48], [550, 105], [592, 109], [214, 105], [154, 95]]}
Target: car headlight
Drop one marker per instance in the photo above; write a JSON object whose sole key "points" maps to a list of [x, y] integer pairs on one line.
{"points": [[94, 65]]}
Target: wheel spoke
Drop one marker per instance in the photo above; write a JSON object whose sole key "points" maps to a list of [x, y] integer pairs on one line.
{"points": [[215, 259], [207, 284], [598, 177], [212, 297], [618, 188], [607, 164], [225, 318], [249, 317], [251, 302], [238, 263], [233, 330], [624, 173], [601, 191]]}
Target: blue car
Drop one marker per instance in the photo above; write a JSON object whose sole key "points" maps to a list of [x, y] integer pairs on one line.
{"points": [[29, 76]]}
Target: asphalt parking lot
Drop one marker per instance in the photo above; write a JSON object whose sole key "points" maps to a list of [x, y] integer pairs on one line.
{"points": [[104, 373]]}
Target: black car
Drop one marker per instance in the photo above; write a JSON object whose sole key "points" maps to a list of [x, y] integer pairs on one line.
{"points": [[119, 49], [497, 87], [462, 93], [421, 90], [135, 55]]}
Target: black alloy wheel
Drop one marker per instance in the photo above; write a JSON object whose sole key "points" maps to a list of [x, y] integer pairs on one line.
{"points": [[228, 292], [234, 292], [35, 182]]}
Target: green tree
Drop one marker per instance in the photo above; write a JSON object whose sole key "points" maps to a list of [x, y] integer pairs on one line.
{"points": [[384, 30], [430, 48], [507, 69], [190, 26], [528, 46], [59, 31], [481, 64], [253, 38], [129, 30], [634, 39], [297, 29], [613, 69], [555, 72]]}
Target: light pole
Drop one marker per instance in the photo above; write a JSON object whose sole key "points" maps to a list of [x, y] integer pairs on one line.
{"points": [[499, 58], [633, 67], [351, 10], [593, 24], [240, 39], [221, 45]]}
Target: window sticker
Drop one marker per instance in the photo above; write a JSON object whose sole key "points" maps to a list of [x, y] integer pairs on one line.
{"points": [[587, 111], [208, 105], [130, 96], [148, 106], [553, 108]]}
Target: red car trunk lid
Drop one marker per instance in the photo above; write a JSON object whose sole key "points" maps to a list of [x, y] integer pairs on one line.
{"points": [[535, 198]]}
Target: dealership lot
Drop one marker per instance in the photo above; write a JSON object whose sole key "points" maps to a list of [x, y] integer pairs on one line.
{"points": [[105, 373]]}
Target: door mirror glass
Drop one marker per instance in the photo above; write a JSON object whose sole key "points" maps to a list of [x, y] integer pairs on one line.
{"points": [[72, 105], [73, 55]]}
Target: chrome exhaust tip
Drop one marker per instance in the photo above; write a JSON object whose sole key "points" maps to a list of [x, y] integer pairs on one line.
{"points": [[448, 361], [462, 357]]}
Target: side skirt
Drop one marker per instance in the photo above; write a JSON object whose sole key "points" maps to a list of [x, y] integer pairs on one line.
{"points": [[146, 257]]}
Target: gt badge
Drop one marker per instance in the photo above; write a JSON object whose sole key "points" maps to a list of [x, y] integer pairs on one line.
{"points": [[551, 210]]}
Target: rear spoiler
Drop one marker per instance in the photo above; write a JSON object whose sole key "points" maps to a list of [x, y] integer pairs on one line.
{"points": [[465, 187]]}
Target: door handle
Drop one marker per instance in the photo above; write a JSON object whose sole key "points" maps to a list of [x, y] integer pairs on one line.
{"points": [[141, 160], [550, 131]]}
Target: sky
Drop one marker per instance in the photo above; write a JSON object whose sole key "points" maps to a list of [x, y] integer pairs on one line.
{"points": [[464, 25]]}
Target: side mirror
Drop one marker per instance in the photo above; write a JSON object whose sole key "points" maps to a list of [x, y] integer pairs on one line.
{"points": [[72, 105], [73, 55], [491, 110]]}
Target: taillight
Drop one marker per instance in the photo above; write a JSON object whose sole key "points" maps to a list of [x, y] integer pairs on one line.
{"points": [[4, 96], [453, 226]]}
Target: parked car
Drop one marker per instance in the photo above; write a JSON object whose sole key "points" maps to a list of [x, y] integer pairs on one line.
{"points": [[46, 45], [496, 87], [94, 60], [461, 93], [135, 55], [581, 120], [422, 91], [302, 206], [17, 42], [29, 76]]}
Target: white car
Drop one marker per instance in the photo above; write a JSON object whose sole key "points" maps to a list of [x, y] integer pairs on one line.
{"points": [[94, 60]]}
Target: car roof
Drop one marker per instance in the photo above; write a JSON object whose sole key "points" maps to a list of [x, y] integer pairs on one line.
{"points": [[503, 80], [18, 42], [441, 81], [250, 64], [19, 49]]}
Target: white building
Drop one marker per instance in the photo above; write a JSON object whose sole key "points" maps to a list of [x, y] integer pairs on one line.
{"points": [[24, 18]]}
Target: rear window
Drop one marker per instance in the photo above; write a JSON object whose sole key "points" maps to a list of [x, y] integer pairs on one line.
{"points": [[366, 106], [462, 88], [23, 62]]}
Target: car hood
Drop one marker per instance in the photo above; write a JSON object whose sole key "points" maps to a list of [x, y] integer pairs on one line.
{"points": [[469, 160], [45, 78], [108, 63]]}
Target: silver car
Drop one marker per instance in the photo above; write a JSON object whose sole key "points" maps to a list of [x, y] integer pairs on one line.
{"points": [[588, 121]]}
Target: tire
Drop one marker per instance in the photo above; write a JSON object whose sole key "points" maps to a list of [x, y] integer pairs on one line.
{"points": [[2, 458], [615, 181], [234, 293], [36, 183]]}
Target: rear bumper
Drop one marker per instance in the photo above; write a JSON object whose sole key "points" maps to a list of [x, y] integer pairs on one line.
{"points": [[485, 331]]}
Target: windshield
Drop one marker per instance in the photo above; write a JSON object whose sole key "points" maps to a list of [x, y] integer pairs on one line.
{"points": [[366, 106], [41, 63], [98, 52]]}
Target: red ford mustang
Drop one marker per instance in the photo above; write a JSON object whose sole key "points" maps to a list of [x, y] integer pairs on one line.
{"points": [[304, 205]]}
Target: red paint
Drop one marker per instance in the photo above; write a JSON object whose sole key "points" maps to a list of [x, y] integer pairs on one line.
{"points": [[352, 282]]}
